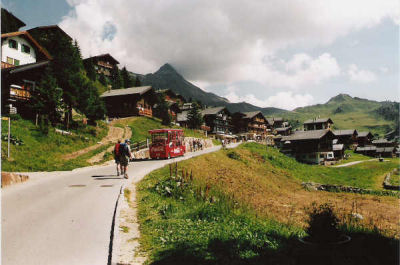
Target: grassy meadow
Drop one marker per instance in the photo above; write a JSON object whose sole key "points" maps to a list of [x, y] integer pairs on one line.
{"points": [[42, 152], [247, 206]]}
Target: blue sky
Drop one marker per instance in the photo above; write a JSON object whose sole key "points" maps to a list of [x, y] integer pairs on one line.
{"points": [[277, 53]]}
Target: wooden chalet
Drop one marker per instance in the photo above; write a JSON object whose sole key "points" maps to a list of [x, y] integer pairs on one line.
{"points": [[218, 119], [364, 138], [346, 137], [103, 64], [275, 122], [134, 101], [9, 22], [250, 125], [386, 151], [22, 66], [383, 143], [47, 36], [317, 124], [338, 151], [174, 101], [314, 146], [284, 131], [368, 150]]}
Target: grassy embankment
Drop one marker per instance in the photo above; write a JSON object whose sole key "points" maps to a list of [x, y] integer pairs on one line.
{"points": [[42, 152], [246, 206]]}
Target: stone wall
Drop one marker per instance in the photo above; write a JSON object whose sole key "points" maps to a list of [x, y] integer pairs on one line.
{"points": [[206, 143], [386, 181]]}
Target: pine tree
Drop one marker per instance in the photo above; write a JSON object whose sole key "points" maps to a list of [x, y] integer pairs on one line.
{"points": [[46, 98], [90, 70], [161, 111], [102, 80], [194, 118], [127, 80], [116, 78], [137, 82]]}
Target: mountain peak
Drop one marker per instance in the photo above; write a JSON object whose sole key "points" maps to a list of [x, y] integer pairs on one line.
{"points": [[166, 68], [340, 98]]}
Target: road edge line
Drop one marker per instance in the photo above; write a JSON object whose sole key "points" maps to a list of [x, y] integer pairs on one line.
{"points": [[114, 232]]}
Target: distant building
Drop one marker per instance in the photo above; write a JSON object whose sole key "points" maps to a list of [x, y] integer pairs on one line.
{"points": [[383, 143], [364, 138], [284, 131], [9, 22], [275, 122], [314, 146], [103, 64], [317, 124], [250, 125], [125, 102], [218, 119], [346, 137]]}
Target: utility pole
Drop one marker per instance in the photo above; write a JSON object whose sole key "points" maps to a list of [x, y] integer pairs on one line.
{"points": [[9, 136]]}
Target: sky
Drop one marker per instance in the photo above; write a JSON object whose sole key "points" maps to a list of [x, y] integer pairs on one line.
{"points": [[270, 53]]}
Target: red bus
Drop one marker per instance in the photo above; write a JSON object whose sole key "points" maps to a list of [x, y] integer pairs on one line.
{"points": [[166, 143]]}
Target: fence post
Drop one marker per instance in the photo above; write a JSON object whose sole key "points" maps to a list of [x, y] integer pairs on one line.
{"points": [[147, 142]]}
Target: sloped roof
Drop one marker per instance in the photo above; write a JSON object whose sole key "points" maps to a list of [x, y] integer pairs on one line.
{"points": [[51, 28], [105, 55], [251, 114], [306, 135], [212, 111], [364, 134], [24, 67], [381, 141], [29, 37], [366, 148], [182, 117], [344, 132], [12, 16], [283, 129], [384, 149], [337, 147], [126, 91], [319, 120]]}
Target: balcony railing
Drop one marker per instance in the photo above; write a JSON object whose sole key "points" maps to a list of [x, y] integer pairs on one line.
{"points": [[145, 112]]}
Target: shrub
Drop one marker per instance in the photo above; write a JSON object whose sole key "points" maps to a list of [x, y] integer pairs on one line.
{"points": [[233, 155], [323, 224]]}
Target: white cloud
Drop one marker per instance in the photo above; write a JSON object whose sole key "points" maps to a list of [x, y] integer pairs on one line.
{"points": [[222, 40], [285, 100], [383, 69], [359, 75]]}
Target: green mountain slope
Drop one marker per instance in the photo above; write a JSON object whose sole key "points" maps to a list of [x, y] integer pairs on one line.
{"points": [[168, 78], [351, 113]]}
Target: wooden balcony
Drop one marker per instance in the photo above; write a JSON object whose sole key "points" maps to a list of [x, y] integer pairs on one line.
{"points": [[145, 112]]}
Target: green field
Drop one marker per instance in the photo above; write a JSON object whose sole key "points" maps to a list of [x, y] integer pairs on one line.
{"points": [[243, 209], [42, 152]]}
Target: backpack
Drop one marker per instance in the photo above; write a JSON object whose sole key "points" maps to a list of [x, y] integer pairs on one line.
{"points": [[116, 149], [123, 149]]}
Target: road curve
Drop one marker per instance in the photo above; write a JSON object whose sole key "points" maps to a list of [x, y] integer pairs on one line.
{"points": [[66, 217]]}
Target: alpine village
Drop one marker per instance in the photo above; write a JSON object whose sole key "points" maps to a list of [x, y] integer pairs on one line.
{"points": [[315, 185]]}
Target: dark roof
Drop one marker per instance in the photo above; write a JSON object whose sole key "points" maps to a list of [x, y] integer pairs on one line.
{"points": [[49, 28], [24, 67], [366, 148], [319, 120], [11, 15], [126, 91], [212, 111], [306, 135], [28, 36], [364, 134], [344, 132], [384, 149], [337, 147], [106, 55]]}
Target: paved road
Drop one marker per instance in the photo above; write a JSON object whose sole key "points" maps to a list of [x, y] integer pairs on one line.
{"points": [[65, 217], [355, 163]]}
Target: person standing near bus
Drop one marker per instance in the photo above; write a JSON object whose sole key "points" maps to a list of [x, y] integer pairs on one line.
{"points": [[125, 156]]}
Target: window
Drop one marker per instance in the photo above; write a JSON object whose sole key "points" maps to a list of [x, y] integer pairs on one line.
{"points": [[10, 60], [16, 62], [26, 48], [13, 44]]}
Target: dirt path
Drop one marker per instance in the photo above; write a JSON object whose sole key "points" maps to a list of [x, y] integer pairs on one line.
{"points": [[355, 163], [114, 133], [127, 133]]}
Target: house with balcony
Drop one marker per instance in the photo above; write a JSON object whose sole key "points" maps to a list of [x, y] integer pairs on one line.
{"points": [[23, 61], [125, 102], [103, 64], [218, 119], [317, 124], [346, 137], [313, 146], [275, 122], [250, 125]]}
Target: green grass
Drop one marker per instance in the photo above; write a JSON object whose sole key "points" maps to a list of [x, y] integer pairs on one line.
{"points": [[353, 157], [42, 152], [363, 175], [395, 178], [183, 223]]}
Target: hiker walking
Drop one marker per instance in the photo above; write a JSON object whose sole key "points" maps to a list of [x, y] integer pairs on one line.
{"points": [[116, 153], [125, 156]]}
